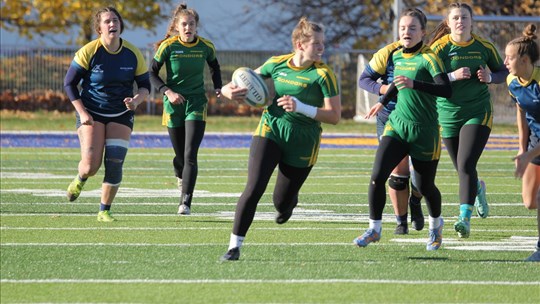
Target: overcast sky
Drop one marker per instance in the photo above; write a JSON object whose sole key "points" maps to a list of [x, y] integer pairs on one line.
{"points": [[219, 22]]}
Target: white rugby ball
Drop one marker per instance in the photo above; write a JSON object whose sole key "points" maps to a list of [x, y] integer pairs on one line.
{"points": [[257, 94]]}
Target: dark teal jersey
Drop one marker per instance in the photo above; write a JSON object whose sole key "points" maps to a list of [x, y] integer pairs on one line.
{"points": [[108, 77], [527, 96]]}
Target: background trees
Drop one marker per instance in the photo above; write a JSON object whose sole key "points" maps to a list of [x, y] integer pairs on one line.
{"points": [[41, 17]]}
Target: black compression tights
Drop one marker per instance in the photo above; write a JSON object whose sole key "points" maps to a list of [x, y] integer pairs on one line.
{"points": [[465, 151], [389, 154], [186, 142], [264, 156]]}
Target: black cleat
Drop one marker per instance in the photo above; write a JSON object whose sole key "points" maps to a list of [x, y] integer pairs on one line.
{"points": [[417, 217], [231, 255], [282, 218], [401, 229]]}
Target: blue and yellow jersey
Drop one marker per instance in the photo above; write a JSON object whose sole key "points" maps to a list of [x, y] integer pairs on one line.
{"points": [[184, 63], [309, 84], [381, 66], [527, 96], [108, 76], [415, 105], [472, 54]]}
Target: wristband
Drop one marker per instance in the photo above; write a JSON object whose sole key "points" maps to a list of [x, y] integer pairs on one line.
{"points": [[302, 108], [451, 76], [489, 78]]}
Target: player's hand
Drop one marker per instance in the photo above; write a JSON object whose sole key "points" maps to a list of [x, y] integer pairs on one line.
{"points": [[287, 102], [522, 161], [483, 75], [376, 108], [131, 103], [174, 97], [403, 82], [86, 119], [462, 73], [233, 92]]}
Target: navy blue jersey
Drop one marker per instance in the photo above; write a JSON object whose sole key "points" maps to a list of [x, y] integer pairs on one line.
{"points": [[107, 77], [527, 96], [381, 66]]}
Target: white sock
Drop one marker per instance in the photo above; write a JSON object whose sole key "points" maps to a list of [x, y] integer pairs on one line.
{"points": [[375, 224], [434, 222], [236, 241]]}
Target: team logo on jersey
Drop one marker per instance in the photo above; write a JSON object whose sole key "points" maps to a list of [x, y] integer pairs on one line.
{"points": [[127, 68], [178, 52], [452, 54], [97, 69], [282, 74]]}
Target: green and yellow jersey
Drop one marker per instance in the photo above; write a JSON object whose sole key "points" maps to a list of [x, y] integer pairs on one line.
{"points": [[310, 85]]}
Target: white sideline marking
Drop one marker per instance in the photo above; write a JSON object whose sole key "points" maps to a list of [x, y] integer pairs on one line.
{"points": [[253, 281]]}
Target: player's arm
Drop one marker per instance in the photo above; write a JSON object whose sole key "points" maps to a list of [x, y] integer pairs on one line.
{"points": [[215, 72], [73, 76], [441, 86]]}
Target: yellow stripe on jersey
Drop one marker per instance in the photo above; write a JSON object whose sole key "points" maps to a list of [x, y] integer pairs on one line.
{"points": [[280, 58], [329, 78], [83, 56], [379, 61], [208, 43], [433, 60], [141, 63], [488, 45]]}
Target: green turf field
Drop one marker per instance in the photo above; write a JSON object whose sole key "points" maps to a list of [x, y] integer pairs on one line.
{"points": [[53, 251]]}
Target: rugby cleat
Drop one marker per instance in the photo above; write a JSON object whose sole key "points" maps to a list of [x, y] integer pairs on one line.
{"points": [[231, 255], [105, 216], [370, 236], [74, 189], [401, 229], [435, 238], [417, 216], [481, 204], [535, 257], [184, 209], [463, 227]]}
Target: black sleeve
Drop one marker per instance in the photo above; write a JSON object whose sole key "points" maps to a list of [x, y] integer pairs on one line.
{"points": [[499, 76], [215, 71], [390, 94], [155, 80], [441, 87], [71, 81]]}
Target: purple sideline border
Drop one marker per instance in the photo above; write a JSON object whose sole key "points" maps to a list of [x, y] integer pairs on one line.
{"points": [[27, 139]]}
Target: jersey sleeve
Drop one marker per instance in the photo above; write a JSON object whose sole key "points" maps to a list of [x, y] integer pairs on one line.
{"points": [[327, 80]]}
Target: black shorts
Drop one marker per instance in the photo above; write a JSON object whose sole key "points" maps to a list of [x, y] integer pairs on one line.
{"points": [[126, 119], [533, 142]]}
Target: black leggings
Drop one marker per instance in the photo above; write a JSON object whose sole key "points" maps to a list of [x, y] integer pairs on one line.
{"points": [[186, 142], [465, 151], [389, 153], [264, 156]]}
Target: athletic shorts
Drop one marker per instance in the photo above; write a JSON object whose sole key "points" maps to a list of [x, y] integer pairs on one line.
{"points": [[193, 108], [424, 142], [126, 119], [382, 118], [451, 120], [533, 142], [299, 144]]}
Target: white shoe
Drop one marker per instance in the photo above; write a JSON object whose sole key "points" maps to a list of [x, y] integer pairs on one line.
{"points": [[184, 210]]}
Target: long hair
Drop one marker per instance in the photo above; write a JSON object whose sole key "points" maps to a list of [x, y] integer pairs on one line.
{"points": [[97, 18], [443, 28], [181, 10], [526, 44], [304, 31]]}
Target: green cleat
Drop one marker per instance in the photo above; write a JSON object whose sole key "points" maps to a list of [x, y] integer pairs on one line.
{"points": [[481, 204], [74, 189], [105, 216], [463, 227]]}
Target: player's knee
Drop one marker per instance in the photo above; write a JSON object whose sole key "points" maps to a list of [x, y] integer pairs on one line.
{"points": [[398, 182], [115, 154]]}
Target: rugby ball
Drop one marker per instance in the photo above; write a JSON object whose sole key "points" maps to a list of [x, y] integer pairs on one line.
{"points": [[257, 94]]}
